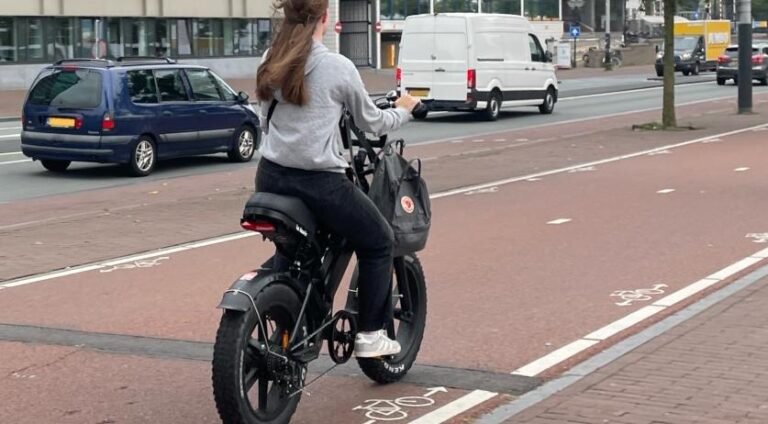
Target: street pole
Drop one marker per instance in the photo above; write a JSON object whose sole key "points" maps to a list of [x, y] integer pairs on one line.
{"points": [[607, 32], [745, 56]]}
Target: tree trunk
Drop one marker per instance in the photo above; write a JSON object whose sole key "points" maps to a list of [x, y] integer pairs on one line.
{"points": [[668, 118]]}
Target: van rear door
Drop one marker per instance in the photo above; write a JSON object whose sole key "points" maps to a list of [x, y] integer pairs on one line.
{"points": [[416, 56], [451, 53]]}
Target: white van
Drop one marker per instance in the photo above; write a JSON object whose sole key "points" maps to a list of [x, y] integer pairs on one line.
{"points": [[475, 62]]}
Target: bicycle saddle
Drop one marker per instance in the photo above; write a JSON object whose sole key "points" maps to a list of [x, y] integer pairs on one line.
{"points": [[291, 211]]}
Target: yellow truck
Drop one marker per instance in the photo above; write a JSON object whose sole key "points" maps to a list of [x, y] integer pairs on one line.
{"points": [[698, 44]]}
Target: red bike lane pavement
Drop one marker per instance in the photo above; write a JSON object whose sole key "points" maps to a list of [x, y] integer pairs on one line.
{"points": [[514, 273]]}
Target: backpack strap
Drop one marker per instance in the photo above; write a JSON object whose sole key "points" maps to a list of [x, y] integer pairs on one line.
{"points": [[271, 111]]}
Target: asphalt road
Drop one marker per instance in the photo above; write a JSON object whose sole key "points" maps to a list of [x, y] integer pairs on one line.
{"points": [[23, 179]]}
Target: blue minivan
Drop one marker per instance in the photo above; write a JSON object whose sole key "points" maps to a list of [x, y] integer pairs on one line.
{"points": [[135, 112]]}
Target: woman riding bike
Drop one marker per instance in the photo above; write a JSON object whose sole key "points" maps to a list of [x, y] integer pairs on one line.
{"points": [[303, 89]]}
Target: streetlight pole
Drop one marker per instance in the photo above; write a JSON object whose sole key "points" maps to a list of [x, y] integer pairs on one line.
{"points": [[745, 56], [607, 32]]}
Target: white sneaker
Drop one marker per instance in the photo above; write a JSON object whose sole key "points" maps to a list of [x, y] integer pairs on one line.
{"points": [[372, 344]]}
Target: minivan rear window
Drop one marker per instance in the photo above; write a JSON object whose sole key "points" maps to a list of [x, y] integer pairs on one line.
{"points": [[65, 88]]}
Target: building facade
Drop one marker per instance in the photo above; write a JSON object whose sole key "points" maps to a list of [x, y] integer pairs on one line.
{"points": [[228, 35]]}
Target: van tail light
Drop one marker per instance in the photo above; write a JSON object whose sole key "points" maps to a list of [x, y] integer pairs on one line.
{"points": [[758, 59], [107, 123], [471, 79], [722, 60], [399, 76]]}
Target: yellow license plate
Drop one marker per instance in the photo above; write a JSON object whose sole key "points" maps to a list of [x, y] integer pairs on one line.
{"points": [[418, 92], [61, 122]]}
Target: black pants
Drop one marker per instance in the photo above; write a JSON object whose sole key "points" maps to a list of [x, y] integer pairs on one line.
{"points": [[343, 209]]}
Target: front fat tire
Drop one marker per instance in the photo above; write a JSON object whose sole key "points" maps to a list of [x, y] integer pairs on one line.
{"points": [[228, 351], [393, 369]]}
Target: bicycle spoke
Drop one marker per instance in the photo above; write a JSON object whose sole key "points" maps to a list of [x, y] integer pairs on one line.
{"points": [[263, 393], [250, 378]]}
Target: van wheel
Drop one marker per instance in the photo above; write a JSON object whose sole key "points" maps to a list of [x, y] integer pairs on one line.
{"points": [[244, 145], [493, 109], [55, 165], [143, 157], [659, 72], [686, 72], [764, 81], [721, 81], [549, 102], [696, 69]]}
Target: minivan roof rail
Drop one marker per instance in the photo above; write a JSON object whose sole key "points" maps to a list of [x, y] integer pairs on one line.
{"points": [[145, 59], [102, 62]]}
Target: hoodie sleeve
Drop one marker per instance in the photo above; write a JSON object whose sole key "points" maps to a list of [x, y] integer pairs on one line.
{"points": [[367, 116]]}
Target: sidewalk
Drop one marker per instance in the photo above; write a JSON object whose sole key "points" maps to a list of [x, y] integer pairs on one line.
{"points": [[711, 368], [377, 82]]}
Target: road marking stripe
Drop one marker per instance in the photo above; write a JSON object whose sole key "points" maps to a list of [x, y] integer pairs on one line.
{"points": [[559, 221], [456, 407], [666, 191], [10, 136], [94, 266], [542, 364], [637, 90], [10, 153], [461, 190], [548, 361], [11, 162]]}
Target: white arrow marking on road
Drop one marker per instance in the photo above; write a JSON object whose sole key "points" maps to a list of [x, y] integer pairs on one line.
{"points": [[666, 191], [758, 237], [742, 169], [434, 390], [559, 221]]}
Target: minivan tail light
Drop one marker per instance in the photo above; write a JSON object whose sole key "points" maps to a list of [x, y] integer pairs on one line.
{"points": [[78, 123], [107, 123], [723, 59], [471, 79], [399, 76], [758, 59]]}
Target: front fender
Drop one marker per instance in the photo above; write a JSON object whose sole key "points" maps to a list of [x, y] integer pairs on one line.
{"points": [[243, 292]]}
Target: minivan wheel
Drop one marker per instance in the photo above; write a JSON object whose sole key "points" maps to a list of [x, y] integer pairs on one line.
{"points": [[243, 146], [55, 165], [493, 110], [549, 102], [143, 157]]}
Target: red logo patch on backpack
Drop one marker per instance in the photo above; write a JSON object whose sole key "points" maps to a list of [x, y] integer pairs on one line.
{"points": [[407, 204]]}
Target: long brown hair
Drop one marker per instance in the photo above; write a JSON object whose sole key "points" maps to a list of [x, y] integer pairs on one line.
{"points": [[284, 65]]}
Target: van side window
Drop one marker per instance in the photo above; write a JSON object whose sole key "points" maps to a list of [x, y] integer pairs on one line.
{"points": [[171, 86], [204, 87], [537, 54], [141, 87]]}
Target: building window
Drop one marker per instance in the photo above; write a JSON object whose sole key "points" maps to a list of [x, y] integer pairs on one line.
{"points": [[138, 37], [445, 6], [63, 39], [181, 40], [263, 35], [89, 42], [243, 38], [209, 37], [30, 39], [542, 10], [7, 40], [511, 7], [162, 38]]}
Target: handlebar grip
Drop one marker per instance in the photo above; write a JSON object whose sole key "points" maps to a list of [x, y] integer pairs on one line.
{"points": [[420, 112]]}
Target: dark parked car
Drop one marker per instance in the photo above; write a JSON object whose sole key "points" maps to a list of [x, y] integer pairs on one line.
{"points": [[728, 64], [134, 112]]}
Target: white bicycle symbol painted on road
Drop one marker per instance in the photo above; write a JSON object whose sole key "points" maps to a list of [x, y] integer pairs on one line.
{"points": [[147, 263], [638, 295], [392, 410]]}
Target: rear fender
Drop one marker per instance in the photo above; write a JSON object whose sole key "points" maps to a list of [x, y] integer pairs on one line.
{"points": [[241, 295]]}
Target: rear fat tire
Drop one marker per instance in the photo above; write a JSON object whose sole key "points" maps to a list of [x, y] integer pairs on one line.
{"points": [[392, 369], [143, 157], [243, 145], [234, 332], [493, 109], [55, 165], [549, 102]]}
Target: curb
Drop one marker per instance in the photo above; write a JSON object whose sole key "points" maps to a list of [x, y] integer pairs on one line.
{"points": [[10, 118]]}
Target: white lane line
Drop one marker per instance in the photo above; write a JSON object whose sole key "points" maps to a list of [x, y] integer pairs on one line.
{"points": [[548, 361], [94, 266], [666, 191], [456, 407], [637, 90], [742, 169], [588, 164], [559, 221], [11, 153], [10, 136], [542, 364], [11, 162]]}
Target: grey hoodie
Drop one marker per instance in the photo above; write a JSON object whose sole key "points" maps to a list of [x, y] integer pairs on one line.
{"points": [[308, 137]]}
